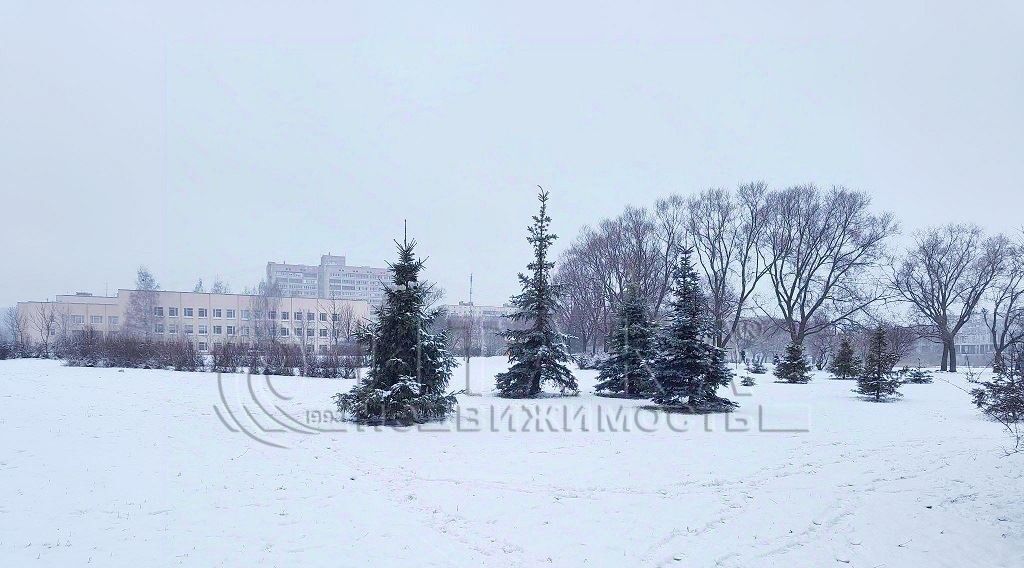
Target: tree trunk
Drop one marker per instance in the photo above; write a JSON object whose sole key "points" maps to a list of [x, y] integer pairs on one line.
{"points": [[945, 356], [952, 357]]}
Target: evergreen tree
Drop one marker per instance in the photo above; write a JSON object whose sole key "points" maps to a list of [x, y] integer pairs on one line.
{"points": [[626, 371], [687, 369], [877, 381], [793, 368], [845, 366], [537, 353], [1002, 397], [409, 367]]}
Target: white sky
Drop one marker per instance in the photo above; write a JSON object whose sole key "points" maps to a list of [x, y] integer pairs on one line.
{"points": [[207, 140]]}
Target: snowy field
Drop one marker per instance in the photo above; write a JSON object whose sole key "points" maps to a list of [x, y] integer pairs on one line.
{"points": [[140, 468]]}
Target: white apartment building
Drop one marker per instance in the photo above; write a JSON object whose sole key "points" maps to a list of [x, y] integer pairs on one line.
{"points": [[332, 278], [206, 318]]}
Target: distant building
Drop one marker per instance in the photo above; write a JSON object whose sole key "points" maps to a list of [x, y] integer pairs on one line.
{"points": [[332, 278], [477, 329], [205, 318]]}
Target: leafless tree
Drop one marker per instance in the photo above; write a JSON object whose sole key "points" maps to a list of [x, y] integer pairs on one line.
{"points": [[670, 215], [17, 325], [140, 317], [264, 303], [725, 231], [219, 286], [1004, 309], [821, 247], [944, 276], [45, 321]]}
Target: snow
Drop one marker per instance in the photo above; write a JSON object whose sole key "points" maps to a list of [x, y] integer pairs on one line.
{"points": [[137, 468]]}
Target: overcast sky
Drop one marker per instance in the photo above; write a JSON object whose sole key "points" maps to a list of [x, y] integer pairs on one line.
{"points": [[204, 140]]}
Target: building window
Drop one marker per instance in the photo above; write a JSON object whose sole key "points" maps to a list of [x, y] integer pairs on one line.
{"points": [[298, 316], [202, 312], [217, 330], [218, 345], [172, 312], [159, 328], [113, 320], [230, 314], [323, 333], [245, 331], [96, 320], [158, 311], [323, 316], [78, 319], [231, 330], [284, 331], [202, 330], [188, 312], [202, 346], [284, 315], [310, 316], [273, 315], [218, 313], [246, 314], [172, 328], [189, 329]]}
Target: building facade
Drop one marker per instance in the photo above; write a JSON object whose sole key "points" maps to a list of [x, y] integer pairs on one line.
{"points": [[207, 319], [332, 278]]}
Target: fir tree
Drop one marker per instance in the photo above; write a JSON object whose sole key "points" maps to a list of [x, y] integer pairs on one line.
{"points": [[626, 371], [845, 366], [537, 353], [877, 381], [1002, 397], [409, 367], [793, 368], [687, 369]]}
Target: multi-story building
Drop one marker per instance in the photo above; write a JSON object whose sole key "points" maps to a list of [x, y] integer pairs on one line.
{"points": [[333, 278], [205, 318]]}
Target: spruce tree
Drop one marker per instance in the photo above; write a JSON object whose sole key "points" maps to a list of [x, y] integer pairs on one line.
{"points": [[1002, 397], [537, 352], [877, 381], [687, 369], [793, 368], [409, 367], [845, 366], [626, 371]]}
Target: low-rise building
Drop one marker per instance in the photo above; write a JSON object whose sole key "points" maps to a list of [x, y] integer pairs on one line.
{"points": [[205, 318]]}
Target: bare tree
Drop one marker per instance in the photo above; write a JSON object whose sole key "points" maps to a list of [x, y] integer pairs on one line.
{"points": [[725, 231], [264, 303], [1004, 312], [944, 276], [17, 325], [140, 316], [219, 286], [670, 216], [45, 322], [820, 247]]}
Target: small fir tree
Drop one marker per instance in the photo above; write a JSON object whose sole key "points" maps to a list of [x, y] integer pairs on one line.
{"points": [[409, 367], [757, 367], [917, 376], [1002, 397], [793, 367], [877, 381], [626, 371], [537, 353], [687, 369], [845, 366]]}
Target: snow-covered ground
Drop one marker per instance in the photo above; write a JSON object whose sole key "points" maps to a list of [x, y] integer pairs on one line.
{"points": [[157, 468]]}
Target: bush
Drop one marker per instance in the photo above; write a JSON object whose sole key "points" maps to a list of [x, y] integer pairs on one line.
{"points": [[748, 381], [6, 350], [757, 367], [227, 357], [916, 376]]}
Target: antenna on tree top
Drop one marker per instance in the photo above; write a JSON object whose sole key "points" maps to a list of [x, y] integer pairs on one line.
{"points": [[405, 232]]}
